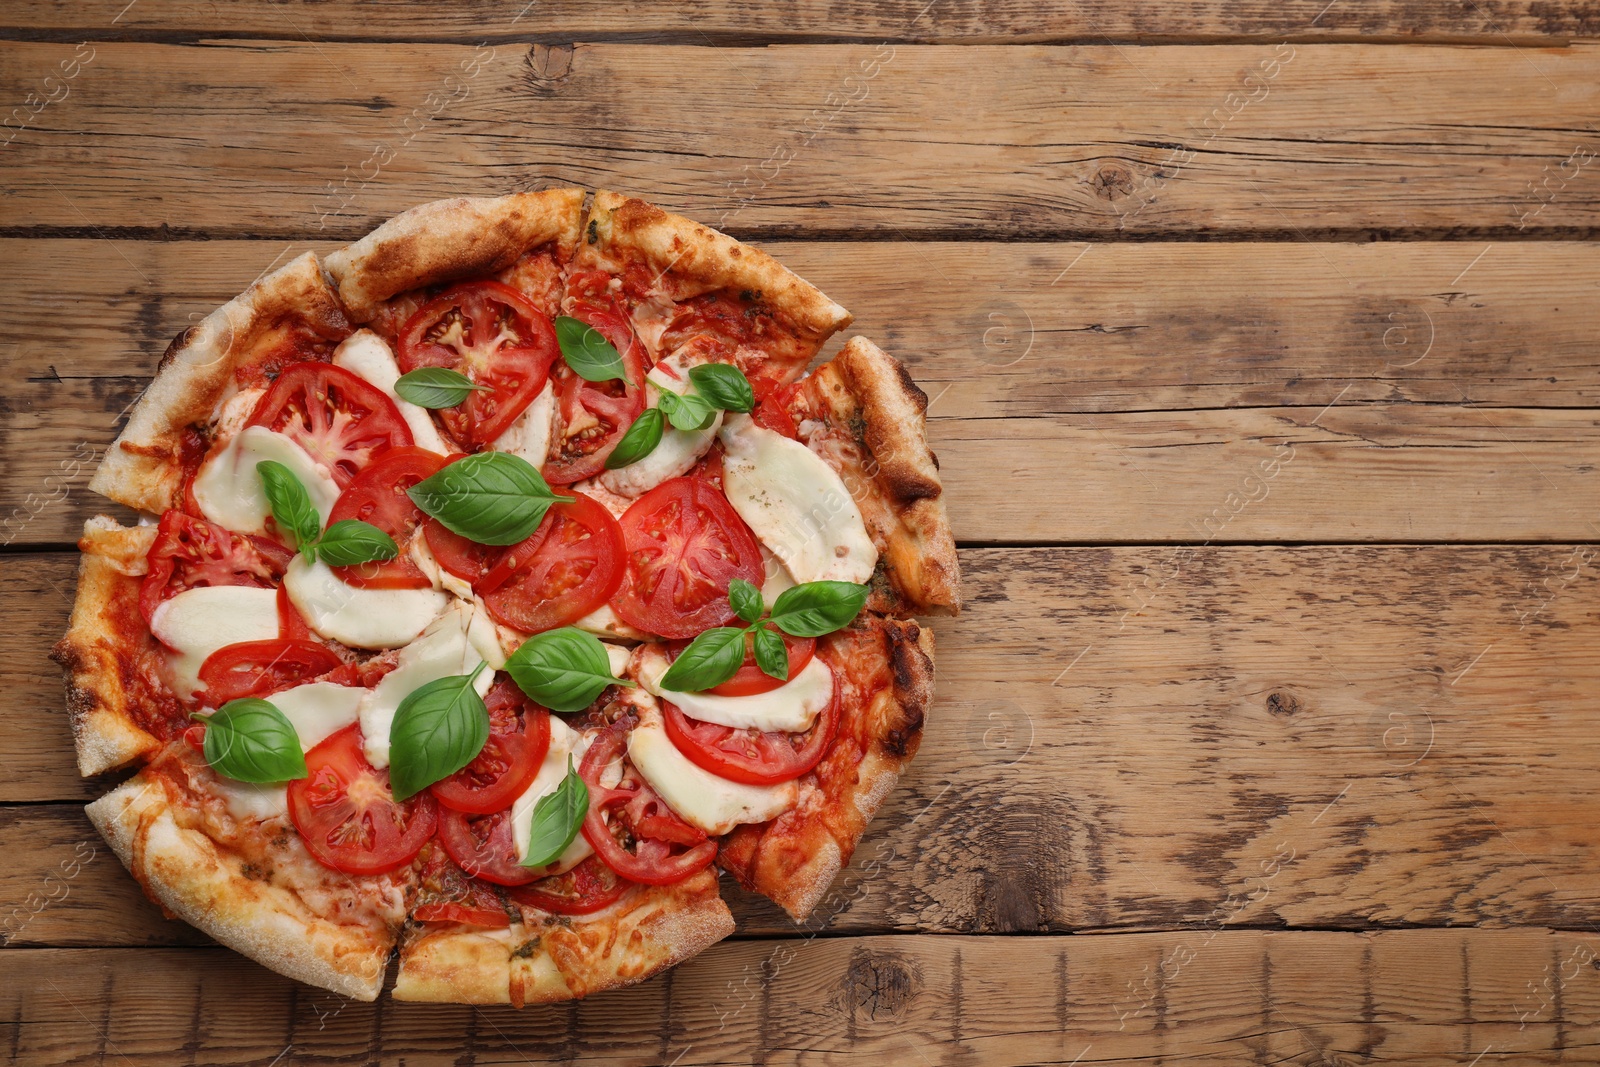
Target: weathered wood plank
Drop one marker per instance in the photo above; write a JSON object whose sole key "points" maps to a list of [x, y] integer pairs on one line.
{"points": [[1089, 21], [1207, 998], [298, 138], [1143, 737]]}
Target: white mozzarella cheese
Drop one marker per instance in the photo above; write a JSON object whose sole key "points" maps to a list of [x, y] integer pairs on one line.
{"points": [[777, 580], [196, 622], [234, 412], [318, 709], [360, 618], [367, 355], [529, 436], [603, 622], [423, 557], [620, 658], [678, 451], [228, 487], [790, 708], [701, 798], [564, 742], [797, 505], [249, 800], [445, 649]]}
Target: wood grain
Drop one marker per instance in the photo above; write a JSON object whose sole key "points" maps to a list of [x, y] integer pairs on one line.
{"points": [[1417, 997], [278, 138], [1137, 737]]}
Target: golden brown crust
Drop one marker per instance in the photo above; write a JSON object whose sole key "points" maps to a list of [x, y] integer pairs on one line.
{"points": [[886, 668], [862, 412], [446, 240], [143, 469]]}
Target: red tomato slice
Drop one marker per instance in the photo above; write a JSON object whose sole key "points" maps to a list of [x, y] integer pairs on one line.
{"points": [[595, 415], [753, 756], [292, 625], [378, 496], [458, 555], [342, 420], [751, 679], [483, 846], [492, 334], [685, 544], [348, 817], [666, 849], [773, 415], [447, 894], [261, 668], [190, 552], [585, 889], [569, 567], [519, 737]]}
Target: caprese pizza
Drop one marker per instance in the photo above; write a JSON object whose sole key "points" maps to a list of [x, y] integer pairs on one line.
{"points": [[503, 576]]}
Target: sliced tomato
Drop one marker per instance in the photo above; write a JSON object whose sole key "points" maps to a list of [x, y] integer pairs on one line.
{"points": [[570, 566], [495, 336], [261, 668], [349, 819], [519, 737], [666, 849], [595, 415], [585, 889], [447, 894], [483, 846], [292, 626], [461, 557], [754, 757], [772, 412], [190, 552], [750, 679], [378, 496], [342, 420], [685, 545]]}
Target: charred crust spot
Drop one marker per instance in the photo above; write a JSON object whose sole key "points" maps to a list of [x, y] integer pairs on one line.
{"points": [[179, 343], [911, 670], [909, 387]]}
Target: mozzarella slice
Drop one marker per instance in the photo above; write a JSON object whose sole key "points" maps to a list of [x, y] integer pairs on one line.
{"points": [[249, 800], [603, 622], [778, 579], [318, 709], [701, 798], [790, 708], [445, 649], [564, 741], [229, 491], [196, 622], [678, 451], [367, 355], [360, 618], [529, 435], [423, 557], [797, 505]]}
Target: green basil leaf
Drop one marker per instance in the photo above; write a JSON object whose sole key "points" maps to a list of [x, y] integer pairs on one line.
{"points": [[639, 441], [711, 659], [724, 385], [292, 509], [746, 600], [436, 387], [771, 654], [557, 818], [493, 498], [587, 351], [565, 669], [438, 729], [351, 541], [250, 740], [688, 412], [818, 608]]}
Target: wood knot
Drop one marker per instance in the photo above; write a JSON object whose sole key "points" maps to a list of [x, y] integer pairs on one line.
{"points": [[879, 984], [1282, 704], [549, 65], [1112, 182]]}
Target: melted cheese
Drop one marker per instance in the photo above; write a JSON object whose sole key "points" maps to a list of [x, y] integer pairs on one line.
{"points": [[564, 741], [423, 557], [250, 800], [529, 436], [196, 622], [360, 618], [445, 649], [790, 708], [797, 505], [777, 580], [603, 622], [678, 451], [228, 487], [367, 355], [701, 798], [317, 710]]}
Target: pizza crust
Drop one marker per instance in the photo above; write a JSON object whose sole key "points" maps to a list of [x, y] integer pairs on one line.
{"points": [[444, 240], [862, 412], [143, 468]]}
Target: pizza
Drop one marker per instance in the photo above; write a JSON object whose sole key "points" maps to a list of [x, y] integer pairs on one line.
{"points": [[502, 580]]}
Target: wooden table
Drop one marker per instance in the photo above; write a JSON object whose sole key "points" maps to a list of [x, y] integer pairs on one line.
{"points": [[1262, 342]]}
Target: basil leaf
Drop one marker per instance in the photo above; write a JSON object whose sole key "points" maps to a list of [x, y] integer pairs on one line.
{"points": [[746, 600], [587, 351], [771, 654], [292, 509], [492, 498], [711, 659], [724, 385], [818, 608], [565, 669], [436, 387], [688, 412], [557, 818], [250, 740], [351, 541], [438, 729], [639, 441]]}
